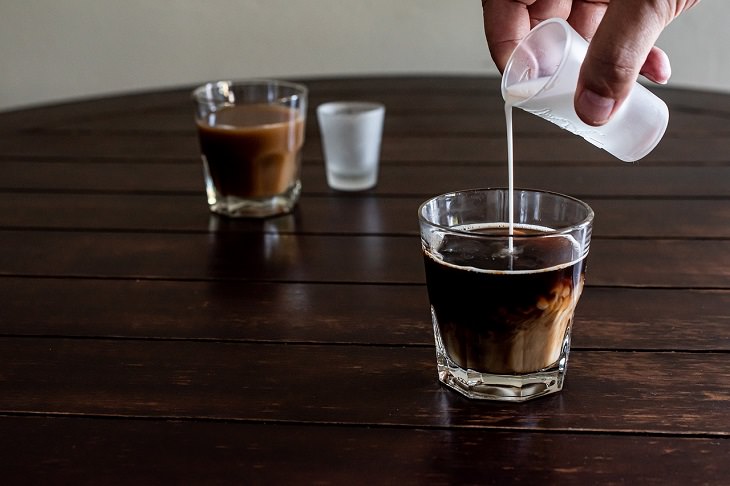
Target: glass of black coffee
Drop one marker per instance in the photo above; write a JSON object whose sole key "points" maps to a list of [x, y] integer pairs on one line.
{"points": [[503, 287]]}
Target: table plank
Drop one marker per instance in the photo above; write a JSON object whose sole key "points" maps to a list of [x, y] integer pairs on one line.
{"points": [[333, 213], [614, 180], [443, 94], [334, 258], [109, 105], [645, 392], [143, 452], [607, 318], [413, 148], [426, 119]]}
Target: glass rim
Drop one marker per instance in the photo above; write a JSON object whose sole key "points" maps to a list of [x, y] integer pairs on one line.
{"points": [[349, 108], [300, 90], [563, 229], [567, 46]]}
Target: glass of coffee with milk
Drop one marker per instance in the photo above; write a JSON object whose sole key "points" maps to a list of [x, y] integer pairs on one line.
{"points": [[251, 134], [503, 290]]}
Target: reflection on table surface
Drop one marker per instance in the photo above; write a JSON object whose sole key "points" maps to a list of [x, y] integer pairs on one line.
{"points": [[144, 340]]}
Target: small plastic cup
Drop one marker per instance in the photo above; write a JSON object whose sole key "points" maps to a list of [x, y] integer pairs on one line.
{"points": [[541, 77], [351, 134]]}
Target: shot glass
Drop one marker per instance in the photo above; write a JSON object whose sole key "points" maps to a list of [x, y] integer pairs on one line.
{"points": [[251, 134], [541, 77], [502, 304], [351, 134]]}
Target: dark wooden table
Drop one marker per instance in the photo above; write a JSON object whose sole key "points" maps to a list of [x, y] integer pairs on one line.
{"points": [[143, 340]]}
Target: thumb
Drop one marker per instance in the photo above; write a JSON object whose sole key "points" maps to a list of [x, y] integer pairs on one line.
{"points": [[615, 56]]}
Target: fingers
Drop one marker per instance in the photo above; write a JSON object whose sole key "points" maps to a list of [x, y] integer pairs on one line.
{"points": [[657, 67], [543, 10], [620, 47], [622, 35], [586, 15], [506, 22]]}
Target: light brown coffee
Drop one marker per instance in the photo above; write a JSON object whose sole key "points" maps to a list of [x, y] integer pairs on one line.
{"points": [[252, 151]]}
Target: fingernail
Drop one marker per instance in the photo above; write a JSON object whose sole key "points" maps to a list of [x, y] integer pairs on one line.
{"points": [[593, 108]]}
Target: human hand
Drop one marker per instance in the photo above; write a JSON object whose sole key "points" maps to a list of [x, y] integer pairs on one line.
{"points": [[622, 34]]}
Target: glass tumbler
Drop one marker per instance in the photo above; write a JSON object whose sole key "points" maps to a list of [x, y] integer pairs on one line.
{"points": [[251, 135], [502, 302]]}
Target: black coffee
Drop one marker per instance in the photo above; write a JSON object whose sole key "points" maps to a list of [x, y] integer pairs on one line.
{"points": [[513, 317]]}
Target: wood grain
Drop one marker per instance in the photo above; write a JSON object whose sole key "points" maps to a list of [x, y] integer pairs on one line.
{"points": [[411, 148], [327, 258], [651, 392], [331, 214], [607, 318], [616, 181], [142, 451], [143, 340]]}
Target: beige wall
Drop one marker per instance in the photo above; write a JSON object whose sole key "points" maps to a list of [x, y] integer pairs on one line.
{"points": [[52, 49]]}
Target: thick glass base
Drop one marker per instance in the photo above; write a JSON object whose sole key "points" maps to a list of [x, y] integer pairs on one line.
{"points": [[510, 388], [263, 207], [351, 182], [504, 387]]}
